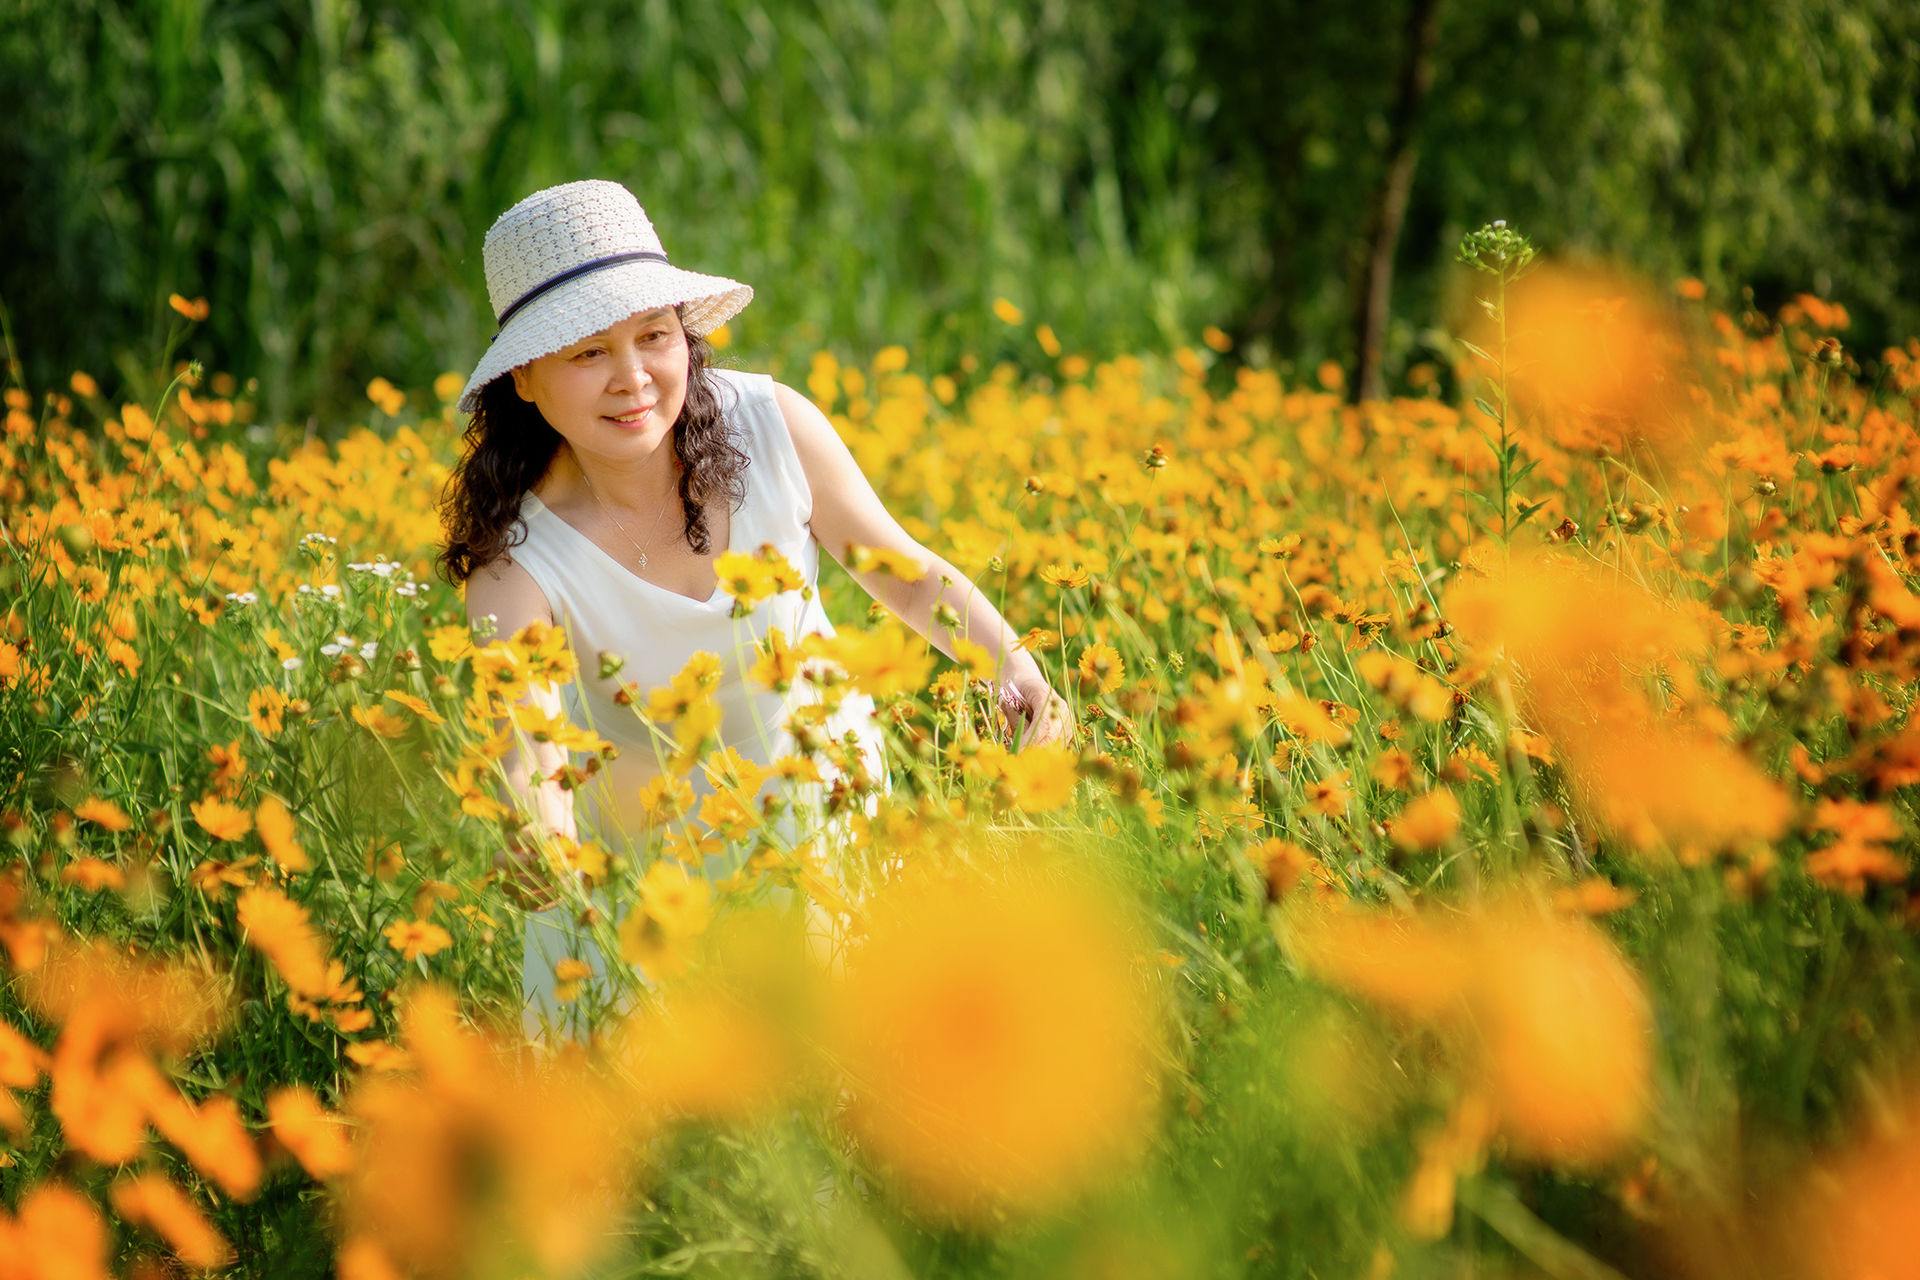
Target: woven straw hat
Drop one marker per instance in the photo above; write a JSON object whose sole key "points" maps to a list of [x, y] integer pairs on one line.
{"points": [[566, 262]]}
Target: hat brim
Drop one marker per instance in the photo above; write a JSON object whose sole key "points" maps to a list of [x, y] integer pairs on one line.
{"points": [[584, 306]]}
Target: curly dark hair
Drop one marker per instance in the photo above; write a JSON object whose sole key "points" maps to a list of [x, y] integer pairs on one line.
{"points": [[509, 446]]}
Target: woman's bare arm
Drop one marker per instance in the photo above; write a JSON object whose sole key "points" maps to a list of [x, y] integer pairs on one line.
{"points": [[847, 511], [506, 593]]}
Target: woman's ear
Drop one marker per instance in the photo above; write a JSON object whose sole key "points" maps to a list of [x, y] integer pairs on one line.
{"points": [[520, 383]]}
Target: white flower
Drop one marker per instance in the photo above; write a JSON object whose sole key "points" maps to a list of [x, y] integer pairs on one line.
{"points": [[332, 650], [306, 588], [410, 589], [368, 649], [330, 591], [241, 597], [292, 664], [317, 539]]}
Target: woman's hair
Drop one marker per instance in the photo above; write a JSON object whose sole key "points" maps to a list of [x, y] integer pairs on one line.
{"points": [[509, 446]]}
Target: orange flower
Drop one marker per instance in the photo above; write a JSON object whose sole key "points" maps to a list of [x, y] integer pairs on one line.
{"points": [[58, 1233], [93, 875], [277, 927], [317, 1138], [415, 938], [212, 1137], [229, 766], [221, 820], [103, 812], [1563, 1042], [1330, 795], [151, 1201], [1428, 821], [21, 1060], [277, 829]]}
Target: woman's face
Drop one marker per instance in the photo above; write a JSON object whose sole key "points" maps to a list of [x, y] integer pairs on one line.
{"points": [[617, 393]]}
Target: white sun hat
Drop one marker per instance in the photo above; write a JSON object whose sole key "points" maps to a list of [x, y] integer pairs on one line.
{"points": [[566, 262]]}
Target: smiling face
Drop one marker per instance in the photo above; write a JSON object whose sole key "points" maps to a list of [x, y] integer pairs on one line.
{"points": [[616, 393]]}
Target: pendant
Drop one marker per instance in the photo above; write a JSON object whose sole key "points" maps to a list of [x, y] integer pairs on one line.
{"points": [[643, 559]]}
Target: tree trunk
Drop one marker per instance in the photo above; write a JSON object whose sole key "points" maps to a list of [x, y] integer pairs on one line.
{"points": [[1374, 289]]}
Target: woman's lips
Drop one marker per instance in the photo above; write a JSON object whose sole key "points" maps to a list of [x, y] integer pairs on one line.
{"points": [[630, 418]]}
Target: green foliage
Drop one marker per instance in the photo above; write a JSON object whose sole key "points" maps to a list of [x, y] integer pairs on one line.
{"points": [[323, 173]]}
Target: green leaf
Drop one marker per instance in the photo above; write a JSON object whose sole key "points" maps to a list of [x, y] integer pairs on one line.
{"points": [[1528, 510], [1475, 350], [1486, 408]]}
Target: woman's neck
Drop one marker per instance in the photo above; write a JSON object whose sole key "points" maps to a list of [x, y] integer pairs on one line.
{"points": [[636, 486]]}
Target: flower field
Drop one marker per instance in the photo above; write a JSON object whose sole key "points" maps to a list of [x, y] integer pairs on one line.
{"points": [[1486, 848]]}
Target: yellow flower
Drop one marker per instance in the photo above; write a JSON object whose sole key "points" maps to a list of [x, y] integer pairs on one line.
{"points": [[415, 938], [418, 705], [449, 643], [1007, 312], [379, 720], [1040, 778], [680, 903], [1066, 576], [882, 663], [673, 910], [388, 397], [777, 664], [730, 814], [1101, 669], [665, 797], [219, 819], [266, 709], [746, 578], [976, 658]]}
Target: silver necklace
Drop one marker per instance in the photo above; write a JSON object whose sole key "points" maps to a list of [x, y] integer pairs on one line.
{"points": [[641, 551]]}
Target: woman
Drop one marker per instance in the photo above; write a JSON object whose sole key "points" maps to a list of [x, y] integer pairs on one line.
{"points": [[608, 466]]}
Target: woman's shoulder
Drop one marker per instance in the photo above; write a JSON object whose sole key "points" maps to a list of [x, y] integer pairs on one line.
{"points": [[742, 389]]}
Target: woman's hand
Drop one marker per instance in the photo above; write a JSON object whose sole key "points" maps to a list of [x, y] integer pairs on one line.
{"points": [[1035, 715]]}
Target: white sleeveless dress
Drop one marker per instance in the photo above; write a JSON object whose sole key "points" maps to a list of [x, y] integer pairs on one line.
{"points": [[605, 607]]}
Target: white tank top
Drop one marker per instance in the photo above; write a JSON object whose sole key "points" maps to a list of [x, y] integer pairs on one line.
{"points": [[606, 607]]}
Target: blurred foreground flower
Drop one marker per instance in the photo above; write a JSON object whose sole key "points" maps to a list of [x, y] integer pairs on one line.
{"points": [[1859, 1214], [473, 1165], [1555, 1026], [1578, 645], [998, 1040], [1603, 362]]}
